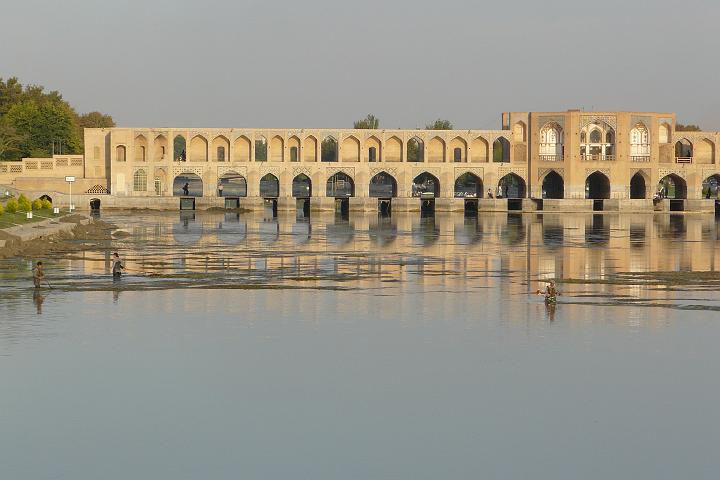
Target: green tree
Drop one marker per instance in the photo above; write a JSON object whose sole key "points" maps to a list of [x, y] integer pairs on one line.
{"points": [[679, 127], [9, 141], [439, 124], [95, 120], [370, 122], [11, 92], [43, 124]]}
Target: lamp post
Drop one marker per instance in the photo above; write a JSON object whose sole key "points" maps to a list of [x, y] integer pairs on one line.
{"points": [[70, 181]]}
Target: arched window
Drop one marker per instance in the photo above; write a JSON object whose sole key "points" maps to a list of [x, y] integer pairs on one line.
{"points": [[261, 149], [415, 150], [551, 143], [457, 155], [372, 154], [293, 154], [140, 181], [120, 153], [683, 151], [329, 149], [601, 144], [639, 143], [595, 136], [220, 154]]}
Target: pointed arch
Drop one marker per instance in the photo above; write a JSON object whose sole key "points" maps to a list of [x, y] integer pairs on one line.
{"points": [[269, 186], [597, 186], [468, 185], [160, 147], [261, 147], [141, 146], [198, 149], [302, 186], [120, 153], [383, 185], [711, 186], [179, 148], [519, 130], [436, 150], [683, 150], [426, 184], [234, 184], [704, 152], [553, 185], [340, 185], [552, 142], [392, 150], [241, 149], [294, 148], [310, 149], [664, 133], [673, 186], [638, 186], [415, 150], [458, 147], [187, 185], [140, 180], [351, 149], [480, 149], [329, 149], [277, 149], [639, 142], [373, 150], [220, 148], [501, 150], [511, 186]]}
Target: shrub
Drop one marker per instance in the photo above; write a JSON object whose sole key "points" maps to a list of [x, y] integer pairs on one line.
{"points": [[2, 209], [24, 203], [47, 204], [37, 204], [11, 206]]}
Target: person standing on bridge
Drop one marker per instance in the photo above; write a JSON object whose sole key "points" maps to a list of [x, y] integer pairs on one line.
{"points": [[186, 189], [117, 266]]}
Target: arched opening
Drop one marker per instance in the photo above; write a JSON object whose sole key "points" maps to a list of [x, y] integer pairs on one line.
{"points": [[553, 185], [704, 152], [373, 149], [269, 186], [120, 153], [519, 132], [340, 185], [277, 149], [457, 155], [329, 149], [294, 144], [639, 143], [425, 185], [179, 148], [261, 149], [511, 186], [415, 150], [672, 186], [187, 185], [301, 186], [293, 154], [392, 150], [683, 151], [638, 189], [310, 149], [198, 149], [383, 185], [221, 148], [551, 143], [46, 197], [501, 150], [140, 181], [468, 185], [479, 150], [351, 149], [664, 133], [141, 145], [597, 141], [459, 149], [233, 185], [95, 204], [710, 187], [160, 145], [436, 150], [597, 186], [241, 149]]}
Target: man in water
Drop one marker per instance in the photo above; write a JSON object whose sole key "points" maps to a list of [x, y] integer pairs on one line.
{"points": [[550, 293], [117, 266], [38, 275]]}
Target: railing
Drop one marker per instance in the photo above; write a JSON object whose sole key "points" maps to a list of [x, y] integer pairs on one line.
{"points": [[551, 158], [595, 157], [639, 158], [683, 159]]}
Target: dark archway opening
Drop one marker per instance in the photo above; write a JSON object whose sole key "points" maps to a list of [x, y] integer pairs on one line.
{"points": [[468, 185], [638, 190], [270, 187], [233, 185], [340, 185], [426, 186], [511, 186], [383, 185], [672, 187], [187, 185], [301, 186], [710, 187], [553, 186], [597, 186]]}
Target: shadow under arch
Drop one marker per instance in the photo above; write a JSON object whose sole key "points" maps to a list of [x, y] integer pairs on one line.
{"points": [[383, 185]]}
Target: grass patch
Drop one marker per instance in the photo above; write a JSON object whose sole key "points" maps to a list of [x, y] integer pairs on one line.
{"points": [[8, 220]]}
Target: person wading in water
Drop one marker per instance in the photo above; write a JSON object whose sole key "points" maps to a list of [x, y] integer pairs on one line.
{"points": [[117, 266], [38, 275], [550, 293]]}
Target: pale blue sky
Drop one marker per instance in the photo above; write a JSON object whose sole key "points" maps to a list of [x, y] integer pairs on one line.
{"points": [[323, 63]]}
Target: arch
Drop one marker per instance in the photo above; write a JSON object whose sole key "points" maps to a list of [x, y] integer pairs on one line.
{"points": [[120, 153], [511, 186], [340, 185], [234, 184], [459, 149], [638, 187], [46, 197], [704, 152], [301, 186], [372, 145], [198, 149], [436, 150], [672, 186], [683, 149], [501, 150], [392, 150], [351, 149], [241, 149], [425, 184], [329, 149], [294, 146], [468, 185], [710, 187], [269, 186], [519, 130], [415, 150], [664, 133], [140, 181], [639, 141], [160, 145], [551, 142], [187, 185], [179, 148], [597, 141], [553, 185], [480, 149], [95, 204], [310, 149], [277, 149], [221, 148], [597, 186], [261, 146], [141, 145], [383, 185]]}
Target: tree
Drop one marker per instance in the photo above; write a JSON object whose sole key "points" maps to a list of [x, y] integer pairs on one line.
{"points": [[95, 120], [10, 93], [679, 127], [10, 141], [370, 122], [42, 125], [439, 124]]}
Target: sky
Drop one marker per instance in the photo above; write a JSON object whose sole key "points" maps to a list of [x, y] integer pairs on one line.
{"points": [[324, 63]]}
